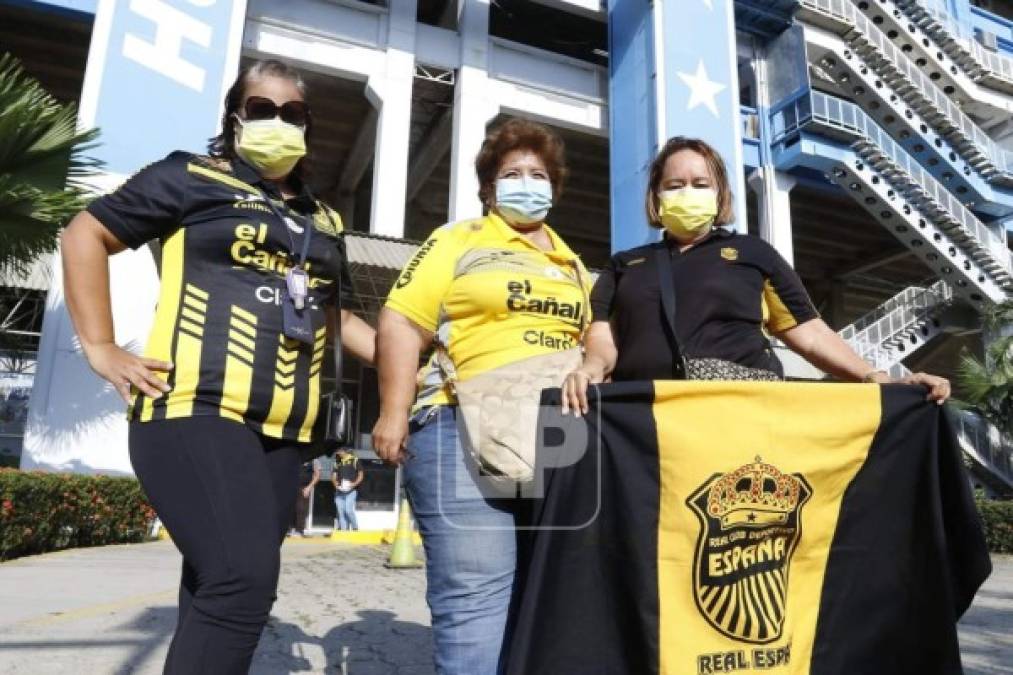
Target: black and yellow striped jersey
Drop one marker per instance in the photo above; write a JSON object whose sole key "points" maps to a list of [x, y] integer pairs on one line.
{"points": [[219, 316]]}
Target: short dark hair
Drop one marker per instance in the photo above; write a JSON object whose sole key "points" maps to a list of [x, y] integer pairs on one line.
{"points": [[726, 213], [224, 144], [520, 134]]}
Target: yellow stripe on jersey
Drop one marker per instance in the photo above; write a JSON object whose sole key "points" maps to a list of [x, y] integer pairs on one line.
{"points": [[319, 349], [245, 327], [221, 178], [193, 328], [187, 359], [284, 387], [312, 408], [239, 360], [244, 354], [196, 293], [780, 317], [239, 338], [160, 343], [196, 317], [249, 317], [196, 304]]}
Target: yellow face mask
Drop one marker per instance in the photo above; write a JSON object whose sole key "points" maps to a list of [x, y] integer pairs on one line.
{"points": [[271, 146], [688, 212]]}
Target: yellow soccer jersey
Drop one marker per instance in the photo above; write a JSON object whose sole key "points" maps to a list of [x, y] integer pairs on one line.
{"points": [[491, 297]]}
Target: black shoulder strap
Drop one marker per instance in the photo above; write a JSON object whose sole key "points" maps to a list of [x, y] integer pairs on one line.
{"points": [[339, 357], [663, 263]]}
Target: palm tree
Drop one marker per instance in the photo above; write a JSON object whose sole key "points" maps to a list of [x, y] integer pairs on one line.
{"points": [[988, 385], [42, 164]]}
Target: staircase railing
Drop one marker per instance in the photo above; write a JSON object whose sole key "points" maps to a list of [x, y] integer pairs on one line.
{"points": [[906, 200], [986, 444], [914, 86], [974, 58], [903, 323], [962, 226], [914, 299]]}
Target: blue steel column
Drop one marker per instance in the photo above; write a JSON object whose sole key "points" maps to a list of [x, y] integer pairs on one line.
{"points": [[633, 134], [672, 72], [701, 85]]}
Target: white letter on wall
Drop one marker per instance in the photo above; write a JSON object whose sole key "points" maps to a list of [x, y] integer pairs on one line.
{"points": [[172, 26]]}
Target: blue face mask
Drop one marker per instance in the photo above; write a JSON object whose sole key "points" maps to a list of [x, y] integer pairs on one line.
{"points": [[523, 200]]}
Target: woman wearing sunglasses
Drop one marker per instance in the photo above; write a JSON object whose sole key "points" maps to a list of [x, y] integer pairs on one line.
{"points": [[227, 392]]}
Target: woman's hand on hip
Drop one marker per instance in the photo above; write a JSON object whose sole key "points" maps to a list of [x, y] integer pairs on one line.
{"points": [[123, 369], [575, 389], [390, 437], [939, 387]]}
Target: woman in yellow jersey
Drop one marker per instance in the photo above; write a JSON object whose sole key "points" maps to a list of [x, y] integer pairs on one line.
{"points": [[490, 291], [228, 390], [727, 293]]}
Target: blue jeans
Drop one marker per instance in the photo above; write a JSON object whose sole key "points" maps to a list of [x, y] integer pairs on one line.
{"points": [[344, 502], [470, 543]]}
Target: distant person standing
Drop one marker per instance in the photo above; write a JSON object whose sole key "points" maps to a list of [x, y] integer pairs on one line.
{"points": [[309, 476], [346, 477]]}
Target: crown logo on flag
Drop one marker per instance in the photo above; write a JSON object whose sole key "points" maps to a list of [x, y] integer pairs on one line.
{"points": [[756, 494]]}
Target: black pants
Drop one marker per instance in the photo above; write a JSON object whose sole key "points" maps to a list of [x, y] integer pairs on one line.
{"points": [[224, 493]]}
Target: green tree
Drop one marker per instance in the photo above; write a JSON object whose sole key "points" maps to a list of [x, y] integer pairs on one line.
{"points": [[42, 163], [988, 384]]}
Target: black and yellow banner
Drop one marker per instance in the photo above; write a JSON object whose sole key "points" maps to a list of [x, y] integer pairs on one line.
{"points": [[726, 527]]}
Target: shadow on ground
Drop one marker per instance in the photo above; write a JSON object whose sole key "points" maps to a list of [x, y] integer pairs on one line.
{"points": [[157, 625], [376, 643]]}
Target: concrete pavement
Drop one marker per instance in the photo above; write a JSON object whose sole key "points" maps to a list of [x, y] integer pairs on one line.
{"points": [[112, 610]]}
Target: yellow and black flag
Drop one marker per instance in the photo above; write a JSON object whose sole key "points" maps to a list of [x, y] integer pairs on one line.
{"points": [[727, 527]]}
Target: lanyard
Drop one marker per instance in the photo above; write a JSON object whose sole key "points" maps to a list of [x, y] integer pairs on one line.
{"points": [[285, 221], [296, 278]]}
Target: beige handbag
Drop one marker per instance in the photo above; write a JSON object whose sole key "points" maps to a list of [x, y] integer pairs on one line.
{"points": [[500, 411], [500, 407]]}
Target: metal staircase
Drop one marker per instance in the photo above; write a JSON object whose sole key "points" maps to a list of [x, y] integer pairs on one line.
{"points": [[928, 55], [982, 65], [881, 176], [915, 98], [989, 450], [899, 326], [912, 157]]}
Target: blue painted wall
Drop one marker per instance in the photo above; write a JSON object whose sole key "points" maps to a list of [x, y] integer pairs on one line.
{"points": [[993, 23], [161, 75]]}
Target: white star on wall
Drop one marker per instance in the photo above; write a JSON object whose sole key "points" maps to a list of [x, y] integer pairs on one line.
{"points": [[702, 90], [709, 5]]}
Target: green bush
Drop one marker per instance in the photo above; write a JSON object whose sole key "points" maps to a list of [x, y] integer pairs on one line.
{"points": [[997, 518], [42, 512]]}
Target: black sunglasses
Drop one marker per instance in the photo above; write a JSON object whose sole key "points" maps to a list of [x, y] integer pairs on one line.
{"points": [[293, 112]]}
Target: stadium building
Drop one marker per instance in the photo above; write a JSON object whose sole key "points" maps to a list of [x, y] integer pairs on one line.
{"points": [[870, 141]]}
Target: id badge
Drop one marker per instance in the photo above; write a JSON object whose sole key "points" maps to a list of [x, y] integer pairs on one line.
{"points": [[297, 324], [297, 284]]}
